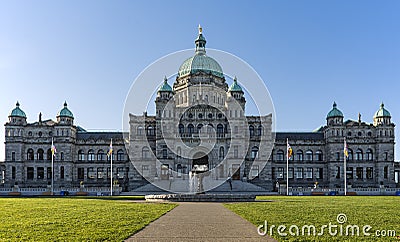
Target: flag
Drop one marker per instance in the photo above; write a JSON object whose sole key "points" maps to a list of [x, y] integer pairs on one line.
{"points": [[346, 149], [53, 149], [289, 150], [110, 150]]}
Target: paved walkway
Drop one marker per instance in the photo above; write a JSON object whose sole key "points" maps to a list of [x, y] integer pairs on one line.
{"points": [[200, 222]]}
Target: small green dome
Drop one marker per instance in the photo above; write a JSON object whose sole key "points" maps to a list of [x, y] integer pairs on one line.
{"points": [[235, 87], [334, 112], [165, 87], [382, 112], [17, 112], [65, 112]]}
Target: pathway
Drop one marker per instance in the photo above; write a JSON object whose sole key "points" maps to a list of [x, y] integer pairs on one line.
{"points": [[200, 222]]}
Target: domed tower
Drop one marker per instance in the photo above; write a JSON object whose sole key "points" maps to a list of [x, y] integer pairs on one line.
{"points": [[17, 116], [335, 116], [235, 91], [382, 116], [65, 116], [165, 92], [200, 78]]}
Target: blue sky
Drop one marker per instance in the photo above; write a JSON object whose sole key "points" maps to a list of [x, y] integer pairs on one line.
{"points": [[309, 53]]}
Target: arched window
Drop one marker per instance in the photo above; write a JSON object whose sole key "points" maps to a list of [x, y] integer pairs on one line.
{"points": [[165, 152], [210, 128], [280, 155], [221, 153], [199, 126], [100, 155], [350, 152], [299, 155], [145, 153], [309, 155], [30, 154], [220, 129], [120, 155], [369, 155], [81, 155], [319, 155], [260, 130], [359, 154], [181, 128], [140, 131], [254, 152], [40, 153], [90, 155], [49, 154], [251, 129], [150, 130], [190, 129]]}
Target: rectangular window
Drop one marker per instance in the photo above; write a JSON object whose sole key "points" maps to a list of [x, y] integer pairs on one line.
{"points": [[109, 172], [337, 156], [291, 173], [62, 156], [309, 172], [386, 172], [49, 173], [100, 173], [319, 173], [299, 173], [370, 172], [13, 156], [254, 171], [145, 171], [62, 172], [40, 173], [273, 173], [337, 172], [120, 172], [235, 151], [91, 174], [281, 173], [349, 172], [13, 171], [359, 173], [29, 173], [81, 173]]}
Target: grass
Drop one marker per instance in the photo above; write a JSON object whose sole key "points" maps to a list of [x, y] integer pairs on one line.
{"points": [[381, 213], [71, 219]]}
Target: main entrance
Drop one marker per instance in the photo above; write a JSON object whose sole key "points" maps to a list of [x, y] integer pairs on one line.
{"points": [[200, 162]]}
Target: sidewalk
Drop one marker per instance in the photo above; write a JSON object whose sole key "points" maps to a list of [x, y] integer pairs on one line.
{"points": [[200, 222]]}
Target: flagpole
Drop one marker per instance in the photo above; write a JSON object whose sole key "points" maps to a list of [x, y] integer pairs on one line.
{"points": [[345, 170], [287, 167], [52, 167], [111, 169]]}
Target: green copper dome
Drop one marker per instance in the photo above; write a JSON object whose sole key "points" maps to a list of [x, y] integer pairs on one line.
{"points": [[65, 112], [200, 62], [165, 87], [382, 112], [235, 87], [17, 112], [334, 112]]}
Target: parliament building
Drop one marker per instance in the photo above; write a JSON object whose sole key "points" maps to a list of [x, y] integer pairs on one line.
{"points": [[200, 103]]}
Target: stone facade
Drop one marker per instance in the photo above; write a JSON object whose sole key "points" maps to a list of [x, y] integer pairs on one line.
{"points": [[200, 108]]}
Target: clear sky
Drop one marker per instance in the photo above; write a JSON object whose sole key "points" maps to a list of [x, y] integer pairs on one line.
{"points": [[309, 53]]}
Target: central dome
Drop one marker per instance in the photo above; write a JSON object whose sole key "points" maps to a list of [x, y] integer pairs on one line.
{"points": [[200, 62]]}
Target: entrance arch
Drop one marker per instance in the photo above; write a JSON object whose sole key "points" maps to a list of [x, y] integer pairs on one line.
{"points": [[200, 162]]}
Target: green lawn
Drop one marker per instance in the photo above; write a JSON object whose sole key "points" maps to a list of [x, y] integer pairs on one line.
{"points": [[381, 213], [71, 219]]}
